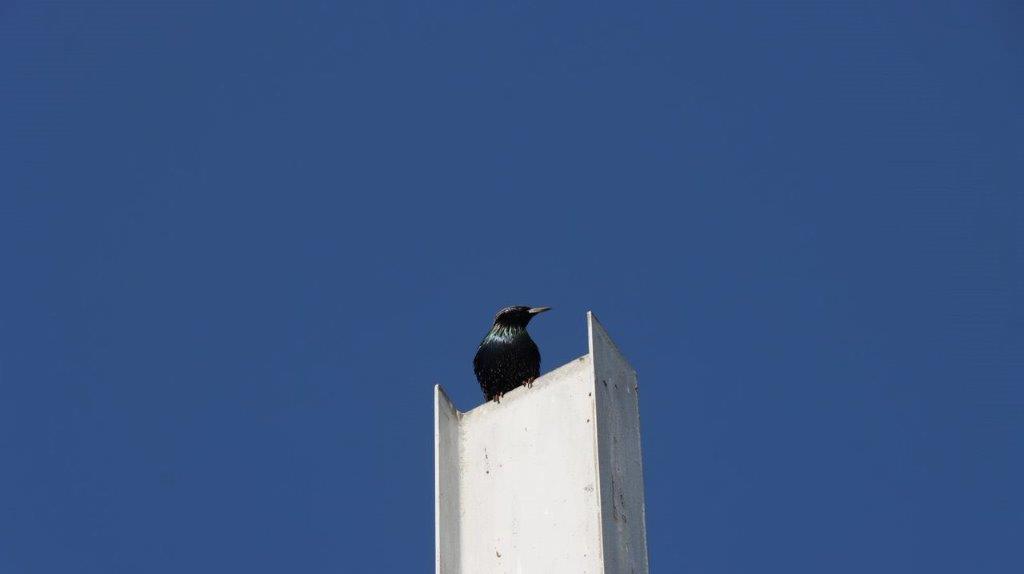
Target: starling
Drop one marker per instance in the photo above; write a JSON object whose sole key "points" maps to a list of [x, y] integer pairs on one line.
{"points": [[508, 357]]}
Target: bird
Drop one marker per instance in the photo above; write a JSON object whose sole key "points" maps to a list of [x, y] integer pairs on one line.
{"points": [[507, 357]]}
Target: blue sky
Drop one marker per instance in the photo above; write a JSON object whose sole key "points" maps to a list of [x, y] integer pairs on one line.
{"points": [[240, 241]]}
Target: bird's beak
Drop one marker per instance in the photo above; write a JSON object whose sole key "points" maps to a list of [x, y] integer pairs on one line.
{"points": [[537, 310]]}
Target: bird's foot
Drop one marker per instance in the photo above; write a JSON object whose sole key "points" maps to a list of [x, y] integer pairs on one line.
{"points": [[497, 398], [529, 383]]}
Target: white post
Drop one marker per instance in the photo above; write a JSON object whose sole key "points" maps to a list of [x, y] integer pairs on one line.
{"points": [[550, 480]]}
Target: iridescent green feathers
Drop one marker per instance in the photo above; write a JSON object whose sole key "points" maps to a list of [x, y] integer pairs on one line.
{"points": [[507, 357]]}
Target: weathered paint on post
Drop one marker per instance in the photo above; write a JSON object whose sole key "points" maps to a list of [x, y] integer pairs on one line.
{"points": [[548, 480]]}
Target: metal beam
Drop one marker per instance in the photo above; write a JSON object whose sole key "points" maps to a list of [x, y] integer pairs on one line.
{"points": [[548, 480]]}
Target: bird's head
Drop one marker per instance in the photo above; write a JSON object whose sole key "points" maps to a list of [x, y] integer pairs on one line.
{"points": [[518, 316]]}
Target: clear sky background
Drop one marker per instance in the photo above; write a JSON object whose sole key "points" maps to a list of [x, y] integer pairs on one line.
{"points": [[240, 241]]}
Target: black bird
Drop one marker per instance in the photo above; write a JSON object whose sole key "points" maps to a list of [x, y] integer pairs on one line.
{"points": [[508, 357]]}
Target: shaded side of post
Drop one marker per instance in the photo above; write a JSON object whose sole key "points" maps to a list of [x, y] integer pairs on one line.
{"points": [[446, 484], [623, 521]]}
